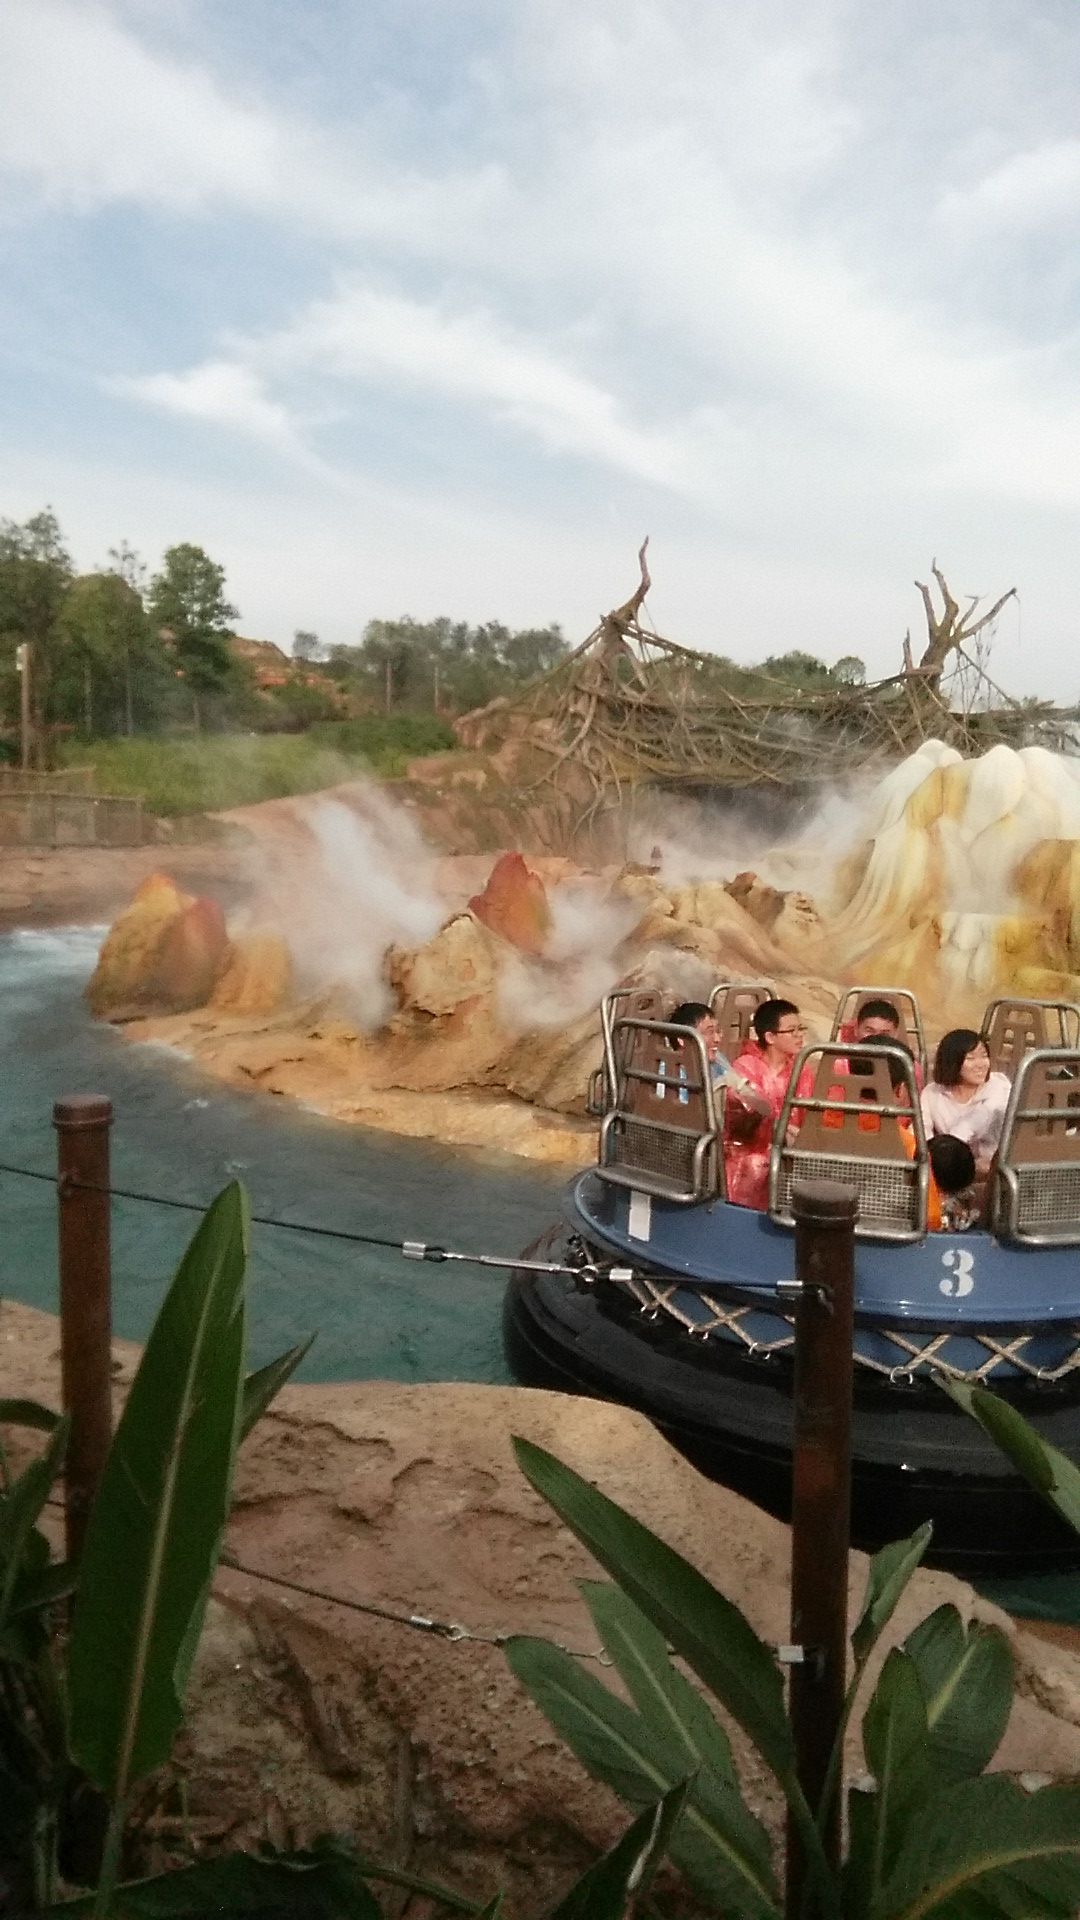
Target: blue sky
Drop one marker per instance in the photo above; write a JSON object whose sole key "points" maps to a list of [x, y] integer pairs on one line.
{"points": [[437, 308]]}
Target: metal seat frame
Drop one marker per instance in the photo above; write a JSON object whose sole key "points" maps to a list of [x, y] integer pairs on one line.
{"points": [[1038, 1158], [1007, 1040], [642, 1050], [868, 1161], [851, 1003], [730, 1001], [602, 1080]]}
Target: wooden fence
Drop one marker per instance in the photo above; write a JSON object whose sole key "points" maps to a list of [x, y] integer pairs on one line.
{"points": [[65, 819]]}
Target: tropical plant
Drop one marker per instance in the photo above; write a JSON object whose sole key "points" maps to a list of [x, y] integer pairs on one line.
{"points": [[935, 1838], [78, 1734]]}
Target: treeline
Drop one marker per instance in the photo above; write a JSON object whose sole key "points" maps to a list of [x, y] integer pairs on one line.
{"points": [[121, 652]]}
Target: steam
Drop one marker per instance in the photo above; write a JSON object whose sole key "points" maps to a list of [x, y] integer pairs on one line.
{"points": [[582, 961]]}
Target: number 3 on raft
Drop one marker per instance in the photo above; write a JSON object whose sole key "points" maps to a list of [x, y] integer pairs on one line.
{"points": [[958, 1280]]}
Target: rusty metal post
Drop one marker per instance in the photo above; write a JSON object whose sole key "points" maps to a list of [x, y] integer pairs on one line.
{"points": [[82, 1125], [824, 1214]]}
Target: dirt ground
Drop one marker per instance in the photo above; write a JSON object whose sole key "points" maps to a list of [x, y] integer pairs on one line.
{"points": [[57, 886]]}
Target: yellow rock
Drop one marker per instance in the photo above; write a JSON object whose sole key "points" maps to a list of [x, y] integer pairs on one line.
{"points": [[129, 953], [257, 976]]}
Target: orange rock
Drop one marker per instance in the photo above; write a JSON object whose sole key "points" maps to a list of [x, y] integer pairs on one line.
{"points": [[191, 953], [129, 952], [514, 904], [257, 976]]}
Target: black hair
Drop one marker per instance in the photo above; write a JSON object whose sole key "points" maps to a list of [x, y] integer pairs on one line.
{"points": [[953, 1050], [897, 1077], [878, 1010], [688, 1013], [768, 1016], [952, 1162]]}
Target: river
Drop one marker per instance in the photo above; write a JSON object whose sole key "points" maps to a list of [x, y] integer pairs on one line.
{"points": [[376, 1315]]}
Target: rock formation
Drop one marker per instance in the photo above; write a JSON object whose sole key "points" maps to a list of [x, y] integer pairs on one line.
{"points": [[169, 952]]}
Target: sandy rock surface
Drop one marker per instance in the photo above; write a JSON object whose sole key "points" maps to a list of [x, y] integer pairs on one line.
{"points": [[307, 1714]]}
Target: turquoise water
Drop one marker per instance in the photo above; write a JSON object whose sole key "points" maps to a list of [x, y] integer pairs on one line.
{"points": [[175, 1133]]}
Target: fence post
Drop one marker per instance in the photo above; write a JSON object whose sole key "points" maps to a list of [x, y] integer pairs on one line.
{"points": [[82, 1123], [824, 1213]]}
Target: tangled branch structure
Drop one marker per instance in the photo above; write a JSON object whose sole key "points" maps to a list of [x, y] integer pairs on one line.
{"points": [[629, 706]]}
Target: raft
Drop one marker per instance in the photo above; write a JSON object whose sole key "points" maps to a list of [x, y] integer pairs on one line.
{"points": [[671, 1298]]}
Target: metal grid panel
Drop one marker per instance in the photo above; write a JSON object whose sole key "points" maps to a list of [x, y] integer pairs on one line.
{"points": [[671, 1155], [1047, 1196], [887, 1190]]}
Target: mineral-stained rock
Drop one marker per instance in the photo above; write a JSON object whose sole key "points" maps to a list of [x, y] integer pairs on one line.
{"points": [[459, 963], [191, 953], [257, 976], [514, 904], [129, 953]]}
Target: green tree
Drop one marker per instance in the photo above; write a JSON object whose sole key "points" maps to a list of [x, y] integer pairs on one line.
{"points": [[191, 615], [35, 570], [112, 659]]}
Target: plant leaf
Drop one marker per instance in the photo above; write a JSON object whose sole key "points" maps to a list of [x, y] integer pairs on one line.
{"points": [[711, 1634], [20, 1509], [666, 1701], [28, 1413], [888, 1574], [895, 1742], [723, 1850], [966, 1676], [985, 1847], [155, 1531], [38, 1590], [261, 1387], [324, 1885], [608, 1889], [1049, 1470]]}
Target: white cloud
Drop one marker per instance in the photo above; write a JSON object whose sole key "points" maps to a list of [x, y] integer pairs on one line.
{"points": [[220, 392], [1030, 190]]}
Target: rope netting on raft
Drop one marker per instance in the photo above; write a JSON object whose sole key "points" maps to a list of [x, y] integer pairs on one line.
{"points": [[629, 705]]}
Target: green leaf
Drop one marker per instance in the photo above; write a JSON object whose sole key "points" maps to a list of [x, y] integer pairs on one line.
{"points": [[984, 1848], [723, 1850], [608, 1889], [324, 1885], [897, 1752], [492, 1910], [1050, 1471], [666, 1701], [28, 1413], [710, 1634], [155, 1531], [40, 1590], [966, 1676], [887, 1576], [20, 1509], [859, 1865], [261, 1387]]}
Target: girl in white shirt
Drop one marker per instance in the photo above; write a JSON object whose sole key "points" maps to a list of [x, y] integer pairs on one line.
{"points": [[964, 1098]]}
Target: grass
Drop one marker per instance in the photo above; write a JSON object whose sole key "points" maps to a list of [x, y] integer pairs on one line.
{"points": [[216, 771]]}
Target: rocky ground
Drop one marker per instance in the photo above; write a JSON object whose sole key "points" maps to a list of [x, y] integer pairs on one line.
{"points": [[309, 1714]]}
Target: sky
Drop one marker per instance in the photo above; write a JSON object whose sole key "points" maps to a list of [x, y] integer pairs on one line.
{"points": [[434, 308]]}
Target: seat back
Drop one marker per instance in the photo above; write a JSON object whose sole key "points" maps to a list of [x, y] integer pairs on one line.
{"points": [[1011, 1028], [850, 1005], [847, 1129], [661, 1135], [640, 1003], [1035, 1187], [733, 1004]]}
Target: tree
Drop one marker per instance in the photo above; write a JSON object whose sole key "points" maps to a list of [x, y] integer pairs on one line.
{"points": [[35, 569], [306, 645], [110, 652], [190, 612]]}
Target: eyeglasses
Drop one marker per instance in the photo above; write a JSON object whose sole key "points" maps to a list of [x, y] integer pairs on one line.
{"points": [[788, 1031]]}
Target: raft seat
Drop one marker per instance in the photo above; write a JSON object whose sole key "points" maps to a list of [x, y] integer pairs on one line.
{"points": [[850, 1005], [733, 1004], [847, 1130], [638, 1003], [1035, 1191], [661, 1135], [1011, 1028]]}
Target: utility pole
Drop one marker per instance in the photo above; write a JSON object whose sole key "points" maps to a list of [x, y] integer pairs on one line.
{"points": [[22, 662]]}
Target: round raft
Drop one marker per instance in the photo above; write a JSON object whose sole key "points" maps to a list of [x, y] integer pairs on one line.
{"points": [[672, 1304]]}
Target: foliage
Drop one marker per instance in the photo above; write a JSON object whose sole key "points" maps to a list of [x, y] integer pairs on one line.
{"points": [[936, 1837], [35, 571], [444, 664], [112, 668], [187, 604]]}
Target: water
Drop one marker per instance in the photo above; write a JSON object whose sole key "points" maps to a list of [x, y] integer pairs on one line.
{"points": [[175, 1133]]}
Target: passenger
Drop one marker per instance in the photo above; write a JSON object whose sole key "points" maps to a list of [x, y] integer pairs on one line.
{"points": [[951, 1204], [878, 1021], [766, 1062], [964, 1098], [694, 1013]]}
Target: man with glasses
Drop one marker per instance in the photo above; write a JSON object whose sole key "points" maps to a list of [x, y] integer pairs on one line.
{"points": [[766, 1062]]}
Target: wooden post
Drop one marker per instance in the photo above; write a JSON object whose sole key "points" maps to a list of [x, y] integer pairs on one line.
{"points": [[824, 1214], [82, 1123], [22, 658]]}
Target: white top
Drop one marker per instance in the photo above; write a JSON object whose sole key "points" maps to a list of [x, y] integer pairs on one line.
{"points": [[978, 1120]]}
